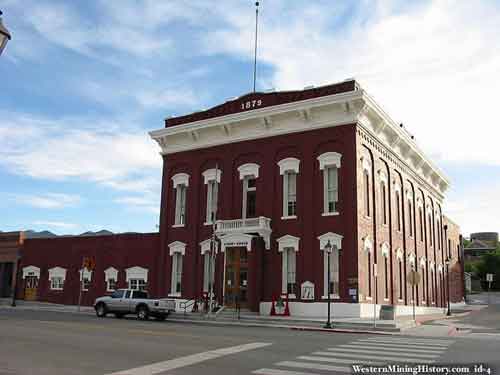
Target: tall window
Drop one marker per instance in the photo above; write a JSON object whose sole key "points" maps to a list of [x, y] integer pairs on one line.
{"points": [[430, 230], [410, 217], [401, 284], [212, 198], [433, 288], [85, 279], [366, 192], [398, 210], [208, 272], [57, 283], [421, 223], [331, 189], [438, 231], [424, 282], [383, 193], [180, 204], [176, 286], [290, 194], [289, 285], [333, 287], [386, 274], [369, 258], [249, 197]]}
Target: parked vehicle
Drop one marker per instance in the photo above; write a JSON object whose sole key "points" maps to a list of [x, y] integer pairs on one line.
{"points": [[128, 301]]}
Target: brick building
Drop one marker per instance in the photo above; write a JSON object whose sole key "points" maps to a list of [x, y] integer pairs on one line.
{"points": [[289, 173], [10, 245], [289, 182]]}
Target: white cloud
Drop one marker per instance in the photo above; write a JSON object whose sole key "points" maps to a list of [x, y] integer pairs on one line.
{"points": [[58, 149], [145, 203], [49, 200], [433, 66]]}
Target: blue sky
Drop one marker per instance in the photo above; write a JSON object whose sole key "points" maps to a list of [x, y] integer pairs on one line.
{"points": [[83, 81]]}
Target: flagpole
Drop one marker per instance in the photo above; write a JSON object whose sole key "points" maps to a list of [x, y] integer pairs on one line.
{"points": [[255, 49]]}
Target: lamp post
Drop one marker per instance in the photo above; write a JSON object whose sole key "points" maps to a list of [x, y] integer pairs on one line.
{"points": [[4, 35], [328, 248], [447, 262]]}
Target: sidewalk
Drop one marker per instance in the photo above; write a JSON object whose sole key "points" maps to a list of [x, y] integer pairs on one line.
{"points": [[351, 325]]}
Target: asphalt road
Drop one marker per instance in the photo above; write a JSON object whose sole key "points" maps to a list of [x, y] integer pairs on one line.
{"points": [[37, 342]]}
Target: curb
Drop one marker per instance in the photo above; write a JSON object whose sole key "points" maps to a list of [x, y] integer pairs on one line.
{"points": [[223, 323]]}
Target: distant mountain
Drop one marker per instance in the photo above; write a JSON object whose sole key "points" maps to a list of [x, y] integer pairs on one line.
{"points": [[42, 234], [99, 233]]}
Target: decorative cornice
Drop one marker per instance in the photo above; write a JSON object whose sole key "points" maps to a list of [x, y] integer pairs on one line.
{"points": [[351, 107]]}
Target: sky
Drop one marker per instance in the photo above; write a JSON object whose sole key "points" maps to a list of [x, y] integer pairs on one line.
{"points": [[82, 82]]}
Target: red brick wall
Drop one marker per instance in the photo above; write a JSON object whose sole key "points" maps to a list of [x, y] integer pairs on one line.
{"points": [[454, 247], [306, 146], [382, 159], [118, 251]]}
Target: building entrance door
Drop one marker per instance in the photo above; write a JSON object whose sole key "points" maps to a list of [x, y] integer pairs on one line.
{"points": [[6, 271], [236, 278], [30, 288]]}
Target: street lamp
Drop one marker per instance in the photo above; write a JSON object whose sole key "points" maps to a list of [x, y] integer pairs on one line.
{"points": [[447, 262], [328, 248], [4, 35]]}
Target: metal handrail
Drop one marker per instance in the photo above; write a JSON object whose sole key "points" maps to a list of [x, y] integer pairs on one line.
{"points": [[186, 304]]}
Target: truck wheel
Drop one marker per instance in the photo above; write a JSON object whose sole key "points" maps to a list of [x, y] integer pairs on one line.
{"points": [[142, 313], [101, 310]]}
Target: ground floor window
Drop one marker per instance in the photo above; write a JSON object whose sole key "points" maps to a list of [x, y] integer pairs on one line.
{"points": [[137, 284], [176, 287], [331, 288], [289, 285], [208, 271], [111, 285], [57, 283]]}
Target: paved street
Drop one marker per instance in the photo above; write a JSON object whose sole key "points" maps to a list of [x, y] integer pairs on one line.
{"points": [[37, 342]]}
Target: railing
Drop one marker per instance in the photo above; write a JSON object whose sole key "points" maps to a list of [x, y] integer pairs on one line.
{"points": [[257, 223], [187, 304]]}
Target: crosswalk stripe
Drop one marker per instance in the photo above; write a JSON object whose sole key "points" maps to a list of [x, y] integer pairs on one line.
{"points": [[350, 350], [404, 343], [272, 371], [345, 361], [410, 340], [355, 355], [313, 366], [392, 347]]}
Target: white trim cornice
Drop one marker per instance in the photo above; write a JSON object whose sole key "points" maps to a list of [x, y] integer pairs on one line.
{"points": [[289, 164], [334, 238], [247, 125], [288, 241], [328, 159], [180, 179], [212, 175], [177, 247], [249, 169]]}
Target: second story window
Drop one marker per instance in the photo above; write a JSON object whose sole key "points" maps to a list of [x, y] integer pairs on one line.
{"points": [[289, 169], [398, 210], [329, 163], [181, 183], [383, 196], [212, 180], [248, 174]]}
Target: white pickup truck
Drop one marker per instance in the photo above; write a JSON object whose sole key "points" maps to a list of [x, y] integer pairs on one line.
{"points": [[129, 301]]}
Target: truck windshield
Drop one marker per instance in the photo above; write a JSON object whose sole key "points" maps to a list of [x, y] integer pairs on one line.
{"points": [[117, 294], [139, 294]]}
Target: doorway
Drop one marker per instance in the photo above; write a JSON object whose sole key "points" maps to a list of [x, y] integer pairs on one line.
{"points": [[236, 277], [30, 288]]}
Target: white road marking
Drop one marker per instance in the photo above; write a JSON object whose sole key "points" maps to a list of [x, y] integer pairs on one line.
{"points": [[271, 371], [313, 366], [348, 350], [409, 343], [192, 359], [355, 355], [345, 361], [392, 347], [410, 340]]}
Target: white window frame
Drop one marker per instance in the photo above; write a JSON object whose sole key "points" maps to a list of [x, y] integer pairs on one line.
{"points": [[136, 274], [181, 183], [330, 162], [401, 282], [208, 263], [31, 271], [59, 274], [177, 251], [212, 178], [385, 249], [366, 167], [384, 192], [336, 242], [288, 246], [110, 274], [246, 189], [399, 201], [85, 279]]}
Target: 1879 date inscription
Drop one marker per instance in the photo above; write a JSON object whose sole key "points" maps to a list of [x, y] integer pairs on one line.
{"points": [[250, 104]]}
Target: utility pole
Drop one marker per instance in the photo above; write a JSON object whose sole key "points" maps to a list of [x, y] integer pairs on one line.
{"points": [[213, 243]]}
